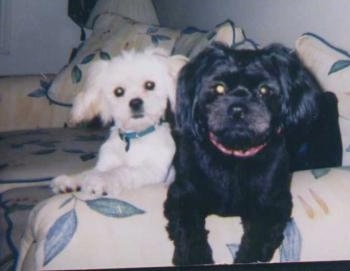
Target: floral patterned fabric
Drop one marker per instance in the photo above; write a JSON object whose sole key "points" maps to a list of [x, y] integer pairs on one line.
{"points": [[35, 156], [15, 205], [30, 159], [111, 34], [192, 40], [331, 66], [23, 104], [64, 231]]}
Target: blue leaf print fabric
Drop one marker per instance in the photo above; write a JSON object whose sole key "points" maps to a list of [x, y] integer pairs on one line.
{"points": [[76, 74], [158, 38], [59, 235], [87, 59], [152, 30], [89, 138], [44, 152], [62, 231], [233, 248], [339, 65], [113, 207], [190, 30], [105, 56], [87, 156], [290, 249], [38, 93], [320, 172]]}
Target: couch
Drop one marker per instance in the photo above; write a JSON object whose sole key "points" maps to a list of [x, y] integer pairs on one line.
{"points": [[42, 231]]}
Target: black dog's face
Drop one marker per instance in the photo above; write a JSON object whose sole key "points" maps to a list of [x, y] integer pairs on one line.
{"points": [[238, 99], [239, 107]]}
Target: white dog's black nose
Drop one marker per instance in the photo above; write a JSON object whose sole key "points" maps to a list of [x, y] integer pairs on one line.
{"points": [[136, 104]]}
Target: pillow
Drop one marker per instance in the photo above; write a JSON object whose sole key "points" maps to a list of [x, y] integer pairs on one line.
{"points": [[141, 11], [331, 66], [23, 104], [111, 34], [193, 40]]}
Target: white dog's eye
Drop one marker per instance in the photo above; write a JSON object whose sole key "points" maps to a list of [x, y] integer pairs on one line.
{"points": [[219, 89], [119, 91], [149, 85]]}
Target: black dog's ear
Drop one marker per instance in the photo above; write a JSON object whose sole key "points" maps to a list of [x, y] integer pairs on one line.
{"points": [[185, 100], [301, 92], [189, 85]]}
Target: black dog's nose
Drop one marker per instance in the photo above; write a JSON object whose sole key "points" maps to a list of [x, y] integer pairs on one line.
{"points": [[237, 112], [136, 104], [241, 92]]}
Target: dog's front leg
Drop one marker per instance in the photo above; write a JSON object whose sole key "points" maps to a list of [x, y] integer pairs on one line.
{"points": [[261, 237], [69, 183], [186, 227]]}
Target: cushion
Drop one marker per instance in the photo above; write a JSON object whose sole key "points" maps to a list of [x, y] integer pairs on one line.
{"points": [[35, 156], [15, 206], [331, 66], [141, 11], [62, 229], [193, 40], [23, 104], [111, 34]]}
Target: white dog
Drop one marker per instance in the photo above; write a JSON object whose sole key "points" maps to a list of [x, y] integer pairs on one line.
{"points": [[132, 90]]}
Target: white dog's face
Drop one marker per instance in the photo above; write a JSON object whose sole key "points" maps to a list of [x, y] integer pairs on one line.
{"points": [[133, 90], [136, 91]]}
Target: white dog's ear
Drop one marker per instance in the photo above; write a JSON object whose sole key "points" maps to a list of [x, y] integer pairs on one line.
{"points": [[89, 103], [175, 63]]}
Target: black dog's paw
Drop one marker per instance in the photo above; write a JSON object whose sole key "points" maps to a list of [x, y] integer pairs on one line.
{"points": [[201, 254], [252, 256], [261, 239]]}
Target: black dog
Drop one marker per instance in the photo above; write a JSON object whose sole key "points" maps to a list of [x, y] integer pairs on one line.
{"points": [[234, 109]]}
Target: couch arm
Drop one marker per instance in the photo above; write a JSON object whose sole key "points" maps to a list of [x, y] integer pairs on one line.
{"points": [[76, 231], [23, 104]]}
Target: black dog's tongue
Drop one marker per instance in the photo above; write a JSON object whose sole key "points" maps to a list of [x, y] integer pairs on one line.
{"points": [[238, 153]]}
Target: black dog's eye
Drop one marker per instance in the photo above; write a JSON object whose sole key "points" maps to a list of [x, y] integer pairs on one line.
{"points": [[149, 85], [119, 91], [219, 89], [264, 90]]}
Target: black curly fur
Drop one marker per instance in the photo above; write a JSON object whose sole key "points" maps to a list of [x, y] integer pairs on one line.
{"points": [[208, 181]]}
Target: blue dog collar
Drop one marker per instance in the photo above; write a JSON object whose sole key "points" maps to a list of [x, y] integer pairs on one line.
{"points": [[128, 136]]}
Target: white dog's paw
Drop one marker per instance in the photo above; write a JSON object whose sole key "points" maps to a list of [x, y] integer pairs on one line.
{"points": [[99, 186], [64, 184], [94, 186]]}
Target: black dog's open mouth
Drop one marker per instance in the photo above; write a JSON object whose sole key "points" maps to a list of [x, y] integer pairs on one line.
{"points": [[235, 152]]}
